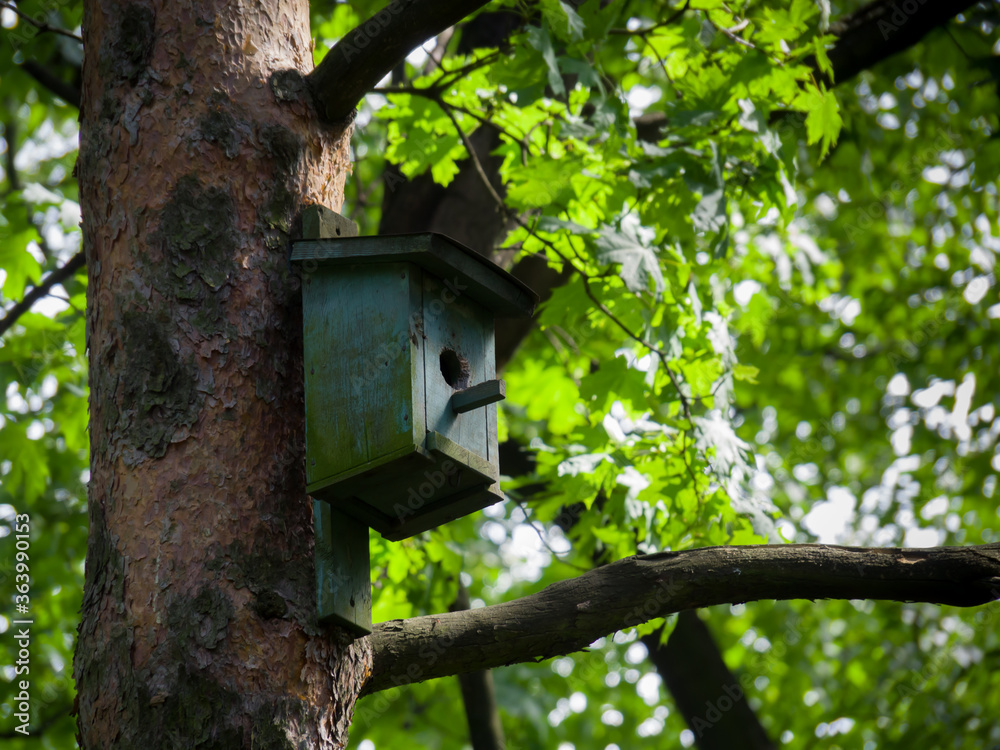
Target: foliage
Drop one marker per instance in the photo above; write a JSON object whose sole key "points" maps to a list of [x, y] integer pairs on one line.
{"points": [[43, 420], [780, 322]]}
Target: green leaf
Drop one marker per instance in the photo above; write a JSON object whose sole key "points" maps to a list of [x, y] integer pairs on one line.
{"points": [[823, 122], [538, 37], [562, 19], [18, 265], [639, 264], [701, 375]]}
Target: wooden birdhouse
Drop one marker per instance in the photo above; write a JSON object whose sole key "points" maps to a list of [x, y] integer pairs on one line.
{"points": [[400, 373]]}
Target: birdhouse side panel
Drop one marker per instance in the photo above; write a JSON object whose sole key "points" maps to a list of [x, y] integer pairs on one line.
{"points": [[364, 368], [458, 334]]}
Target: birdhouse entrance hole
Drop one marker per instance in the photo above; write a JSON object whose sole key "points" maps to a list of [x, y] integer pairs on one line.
{"points": [[454, 369]]}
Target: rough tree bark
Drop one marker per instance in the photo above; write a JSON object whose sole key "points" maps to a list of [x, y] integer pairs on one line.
{"points": [[198, 623]]}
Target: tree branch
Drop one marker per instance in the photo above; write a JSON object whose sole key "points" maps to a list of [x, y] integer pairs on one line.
{"points": [[370, 51], [567, 616], [65, 91], [42, 26], [479, 697], [56, 277], [881, 29], [694, 671]]}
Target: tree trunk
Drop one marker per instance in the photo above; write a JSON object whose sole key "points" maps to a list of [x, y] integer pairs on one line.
{"points": [[198, 623]]}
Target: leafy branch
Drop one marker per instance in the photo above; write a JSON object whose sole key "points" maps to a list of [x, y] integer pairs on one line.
{"points": [[586, 278], [356, 63]]}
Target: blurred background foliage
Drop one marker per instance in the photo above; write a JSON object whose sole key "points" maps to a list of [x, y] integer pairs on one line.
{"points": [[779, 321]]}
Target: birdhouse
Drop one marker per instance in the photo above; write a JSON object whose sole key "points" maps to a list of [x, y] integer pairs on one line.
{"points": [[400, 373]]}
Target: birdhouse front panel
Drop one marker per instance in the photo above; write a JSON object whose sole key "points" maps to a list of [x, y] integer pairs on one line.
{"points": [[362, 359], [401, 377]]}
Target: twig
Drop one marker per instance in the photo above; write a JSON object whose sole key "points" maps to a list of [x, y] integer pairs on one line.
{"points": [[732, 34], [540, 531], [41, 290], [449, 76], [475, 161], [10, 136], [356, 63], [433, 93], [642, 32], [40, 25]]}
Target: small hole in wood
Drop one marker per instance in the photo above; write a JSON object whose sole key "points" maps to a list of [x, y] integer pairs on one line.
{"points": [[454, 369]]}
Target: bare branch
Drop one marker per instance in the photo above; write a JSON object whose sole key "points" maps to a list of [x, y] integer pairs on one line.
{"points": [[370, 51], [43, 28], [569, 615]]}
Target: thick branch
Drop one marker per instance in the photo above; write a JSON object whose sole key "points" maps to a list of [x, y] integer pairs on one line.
{"points": [[36, 293], [881, 29], [567, 616], [369, 52]]}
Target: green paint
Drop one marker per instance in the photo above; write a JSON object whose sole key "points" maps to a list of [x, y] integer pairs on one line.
{"points": [[392, 327], [343, 570]]}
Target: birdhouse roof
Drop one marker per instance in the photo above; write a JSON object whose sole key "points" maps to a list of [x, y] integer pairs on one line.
{"points": [[471, 273]]}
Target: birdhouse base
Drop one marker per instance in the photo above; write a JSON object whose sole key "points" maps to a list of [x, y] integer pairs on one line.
{"points": [[403, 494]]}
